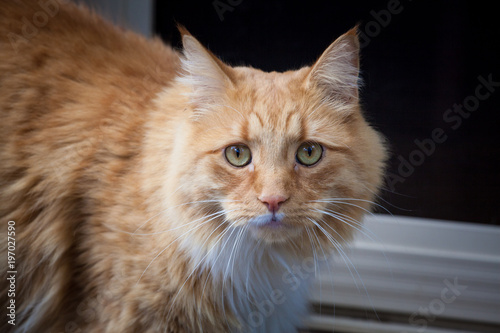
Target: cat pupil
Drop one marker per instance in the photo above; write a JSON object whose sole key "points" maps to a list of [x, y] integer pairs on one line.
{"points": [[309, 151], [237, 150]]}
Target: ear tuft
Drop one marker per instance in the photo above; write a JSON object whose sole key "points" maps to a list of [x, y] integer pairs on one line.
{"points": [[182, 30], [336, 72], [204, 73]]}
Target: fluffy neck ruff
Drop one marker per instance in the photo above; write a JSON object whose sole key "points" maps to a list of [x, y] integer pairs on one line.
{"points": [[263, 285]]}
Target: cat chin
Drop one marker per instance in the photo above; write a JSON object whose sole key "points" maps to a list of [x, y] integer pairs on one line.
{"points": [[272, 228]]}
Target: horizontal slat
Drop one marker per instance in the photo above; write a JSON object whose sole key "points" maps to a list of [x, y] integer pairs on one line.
{"points": [[347, 325], [421, 268]]}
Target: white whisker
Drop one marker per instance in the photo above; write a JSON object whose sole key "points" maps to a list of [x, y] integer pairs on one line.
{"points": [[385, 201], [314, 252], [200, 262], [180, 205], [339, 248], [345, 218], [165, 248], [329, 270], [348, 262], [342, 201], [184, 225]]}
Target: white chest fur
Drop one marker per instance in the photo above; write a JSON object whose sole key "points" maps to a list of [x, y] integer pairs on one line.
{"points": [[264, 286]]}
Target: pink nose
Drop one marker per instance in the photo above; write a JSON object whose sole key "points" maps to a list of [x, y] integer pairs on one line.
{"points": [[273, 202]]}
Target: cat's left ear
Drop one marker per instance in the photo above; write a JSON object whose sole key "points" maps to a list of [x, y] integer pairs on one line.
{"points": [[205, 73], [336, 72]]}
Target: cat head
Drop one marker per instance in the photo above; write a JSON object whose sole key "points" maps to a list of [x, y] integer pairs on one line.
{"points": [[284, 156]]}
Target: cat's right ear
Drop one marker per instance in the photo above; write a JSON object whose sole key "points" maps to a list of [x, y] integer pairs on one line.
{"points": [[204, 73]]}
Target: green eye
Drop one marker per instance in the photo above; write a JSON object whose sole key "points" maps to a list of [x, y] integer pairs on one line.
{"points": [[238, 155], [309, 153]]}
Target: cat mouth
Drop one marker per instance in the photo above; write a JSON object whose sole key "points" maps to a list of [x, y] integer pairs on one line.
{"points": [[272, 228], [268, 221]]}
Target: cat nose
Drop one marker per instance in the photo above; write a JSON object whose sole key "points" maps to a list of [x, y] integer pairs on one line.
{"points": [[273, 202]]}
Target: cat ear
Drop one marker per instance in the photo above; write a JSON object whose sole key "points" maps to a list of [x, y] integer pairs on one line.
{"points": [[204, 72], [336, 72]]}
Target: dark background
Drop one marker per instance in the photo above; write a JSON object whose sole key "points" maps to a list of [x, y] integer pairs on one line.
{"points": [[418, 62]]}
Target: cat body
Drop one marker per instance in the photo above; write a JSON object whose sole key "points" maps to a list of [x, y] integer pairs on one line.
{"points": [[158, 191]]}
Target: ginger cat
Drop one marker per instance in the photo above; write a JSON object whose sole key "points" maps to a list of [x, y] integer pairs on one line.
{"points": [[149, 190]]}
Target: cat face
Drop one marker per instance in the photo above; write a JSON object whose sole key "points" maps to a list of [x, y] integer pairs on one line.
{"points": [[279, 154]]}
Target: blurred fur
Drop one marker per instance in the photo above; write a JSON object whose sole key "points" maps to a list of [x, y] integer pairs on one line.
{"points": [[128, 217]]}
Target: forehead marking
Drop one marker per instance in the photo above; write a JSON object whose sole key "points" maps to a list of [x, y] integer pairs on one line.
{"points": [[285, 127], [294, 126], [255, 123]]}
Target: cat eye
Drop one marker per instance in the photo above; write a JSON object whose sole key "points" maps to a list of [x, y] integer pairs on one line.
{"points": [[309, 153], [238, 155]]}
